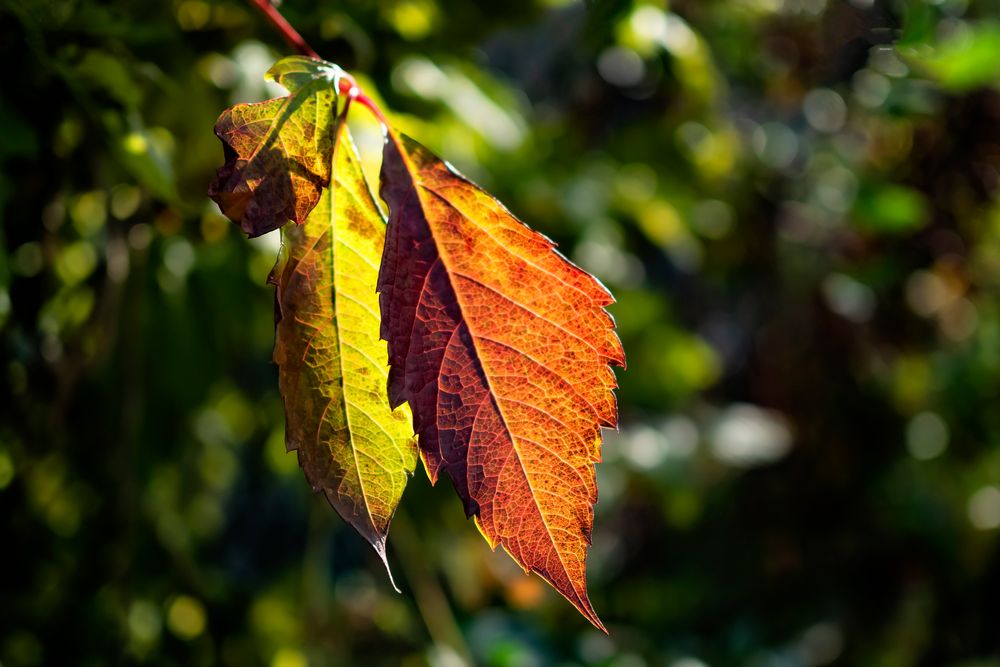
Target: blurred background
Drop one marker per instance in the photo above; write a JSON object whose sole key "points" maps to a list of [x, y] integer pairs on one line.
{"points": [[795, 203]]}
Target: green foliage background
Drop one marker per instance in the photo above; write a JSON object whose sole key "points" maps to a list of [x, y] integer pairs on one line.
{"points": [[795, 202]]}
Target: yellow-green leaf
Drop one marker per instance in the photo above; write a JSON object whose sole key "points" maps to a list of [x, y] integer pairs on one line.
{"points": [[332, 365]]}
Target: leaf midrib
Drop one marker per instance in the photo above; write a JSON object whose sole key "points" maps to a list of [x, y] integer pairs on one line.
{"points": [[479, 358], [335, 297]]}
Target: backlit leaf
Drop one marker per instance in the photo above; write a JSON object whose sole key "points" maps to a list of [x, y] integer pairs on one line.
{"points": [[278, 151], [502, 348], [332, 365]]}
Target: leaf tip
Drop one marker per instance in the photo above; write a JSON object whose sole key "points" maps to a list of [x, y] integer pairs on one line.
{"points": [[583, 605], [379, 545], [493, 544]]}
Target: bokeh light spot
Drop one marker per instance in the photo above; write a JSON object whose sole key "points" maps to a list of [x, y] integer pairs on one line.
{"points": [[621, 66], [186, 617], [6, 469], [926, 436], [746, 436], [144, 622], [984, 508], [825, 110], [288, 657]]}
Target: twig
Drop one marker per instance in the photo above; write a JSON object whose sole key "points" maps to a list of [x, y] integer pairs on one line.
{"points": [[290, 34]]}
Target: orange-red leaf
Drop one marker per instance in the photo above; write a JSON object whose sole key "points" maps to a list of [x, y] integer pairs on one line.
{"points": [[502, 348]]}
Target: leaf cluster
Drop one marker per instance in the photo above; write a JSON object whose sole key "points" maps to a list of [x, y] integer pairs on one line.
{"points": [[498, 345]]}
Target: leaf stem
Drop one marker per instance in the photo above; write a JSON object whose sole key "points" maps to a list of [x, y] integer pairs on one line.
{"points": [[347, 84], [369, 104]]}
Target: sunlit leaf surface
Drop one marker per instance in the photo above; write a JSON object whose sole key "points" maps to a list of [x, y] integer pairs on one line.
{"points": [[502, 348], [332, 365], [278, 151]]}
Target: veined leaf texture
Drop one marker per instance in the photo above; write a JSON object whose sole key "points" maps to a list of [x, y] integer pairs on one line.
{"points": [[331, 363], [502, 348], [455, 311], [278, 151]]}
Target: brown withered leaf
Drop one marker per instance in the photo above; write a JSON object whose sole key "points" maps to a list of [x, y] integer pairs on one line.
{"points": [[278, 152]]}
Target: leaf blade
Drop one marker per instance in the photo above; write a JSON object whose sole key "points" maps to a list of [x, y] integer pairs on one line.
{"points": [[492, 334], [332, 363], [278, 152]]}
